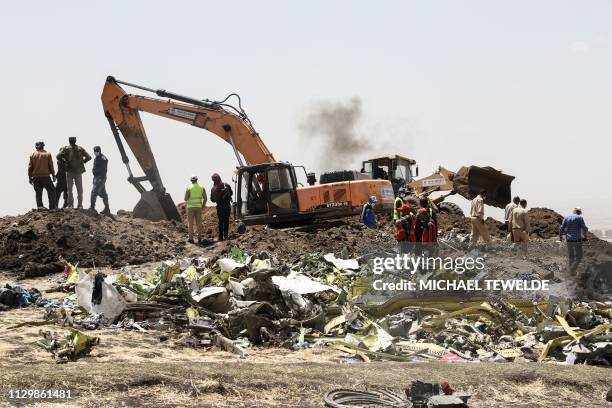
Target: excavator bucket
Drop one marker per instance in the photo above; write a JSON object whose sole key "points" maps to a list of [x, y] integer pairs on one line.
{"points": [[469, 181], [155, 207]]}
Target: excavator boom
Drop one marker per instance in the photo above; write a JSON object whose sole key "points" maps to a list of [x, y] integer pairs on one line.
{"points": [[122, 111]]}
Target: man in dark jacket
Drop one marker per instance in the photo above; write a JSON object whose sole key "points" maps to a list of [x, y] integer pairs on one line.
{"points": [[74, 157], [60, 186], [221, 194], [40, 172], [100, 167]]}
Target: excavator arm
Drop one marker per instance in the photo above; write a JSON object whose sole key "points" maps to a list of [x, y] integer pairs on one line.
{"points": [[122, 111]]}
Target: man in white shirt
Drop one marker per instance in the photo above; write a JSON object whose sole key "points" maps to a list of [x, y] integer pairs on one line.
{"points": [[521, 226], [479, 228], [508, 215]]}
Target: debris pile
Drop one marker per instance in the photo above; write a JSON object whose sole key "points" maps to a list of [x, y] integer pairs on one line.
{"points": [[67, 347], [12, 296], [240, 300]]}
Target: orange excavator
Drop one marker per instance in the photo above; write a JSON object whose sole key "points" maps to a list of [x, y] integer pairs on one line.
{"points": [[268, 191]]}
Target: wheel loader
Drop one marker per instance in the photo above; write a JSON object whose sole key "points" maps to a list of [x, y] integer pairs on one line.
{"points": [[468, 181], [267, 190]]}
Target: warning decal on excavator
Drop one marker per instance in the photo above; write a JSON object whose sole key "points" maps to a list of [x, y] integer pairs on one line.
{"points": [[182, 113], [433, 182]]}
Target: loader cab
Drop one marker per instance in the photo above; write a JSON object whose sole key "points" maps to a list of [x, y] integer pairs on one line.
{"points": [[397, 169], [266, 191]]}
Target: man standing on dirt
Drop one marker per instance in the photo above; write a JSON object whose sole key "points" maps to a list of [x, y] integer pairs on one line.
{"points": [[521, 226], [398, 203], [74, 158], [60, 186], [195, 197], [508, 215], [404, 230], [221, 194], [100, 166], [40, 171], [575, 231], [426, 228], [479, 228]]}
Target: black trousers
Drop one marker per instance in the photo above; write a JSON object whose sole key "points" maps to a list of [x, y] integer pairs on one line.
{"points": [[223, 214], [61, 191], [574, 251], [99, 189], [45, 183]]}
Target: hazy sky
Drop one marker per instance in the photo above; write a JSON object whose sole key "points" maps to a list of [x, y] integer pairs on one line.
{"points": [[520, 85]]}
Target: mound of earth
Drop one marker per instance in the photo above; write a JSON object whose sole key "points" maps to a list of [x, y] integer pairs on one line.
{"points": [[33, 242], [545, 224], [345, 237], [459, 223]]}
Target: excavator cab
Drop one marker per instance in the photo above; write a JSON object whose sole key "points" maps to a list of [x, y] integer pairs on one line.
{"points": [[397, 169], [266, 193]]}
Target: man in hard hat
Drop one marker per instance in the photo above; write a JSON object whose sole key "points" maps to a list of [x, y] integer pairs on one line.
{"points": [[195, 198], [40, 172], [100, 166], [368, 216], [575, 231], [221, 194], [426, 227], [479, 228], [398, 203], [404, 229], [74, 158]]}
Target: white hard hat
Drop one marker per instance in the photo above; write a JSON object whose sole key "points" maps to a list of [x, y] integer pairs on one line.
{"points": [[578, 209], [194, 177], [373, 199]]}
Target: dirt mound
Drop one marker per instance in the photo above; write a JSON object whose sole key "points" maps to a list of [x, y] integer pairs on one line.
{"points": [[462, 225], [209, 221], [545, 224], [34, 241], [345, 236]]}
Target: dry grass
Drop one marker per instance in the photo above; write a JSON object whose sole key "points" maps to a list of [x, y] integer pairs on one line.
{"points": [[244, 384], [136, 369]]}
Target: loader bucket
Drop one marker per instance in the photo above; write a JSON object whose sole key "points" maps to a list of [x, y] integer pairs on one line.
{"points": [[156, 207], [469, 181]]}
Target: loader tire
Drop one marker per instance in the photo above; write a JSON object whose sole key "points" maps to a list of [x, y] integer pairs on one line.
{"points": [[450, 208]]}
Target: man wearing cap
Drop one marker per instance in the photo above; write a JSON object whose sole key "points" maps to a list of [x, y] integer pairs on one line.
{"points": [[74, 158], [100, 166], [575, 231], [195, 198], [40, 172]]}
